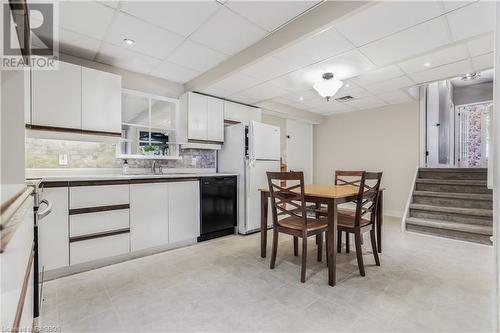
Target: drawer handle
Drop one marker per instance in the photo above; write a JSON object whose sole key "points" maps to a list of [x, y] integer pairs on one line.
{"points": [[88, 210], [99, 235]]}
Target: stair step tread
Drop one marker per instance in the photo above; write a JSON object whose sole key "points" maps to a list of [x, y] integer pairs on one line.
{"points": [[472, 196], [471, 182], [478, 170], [456, 210], [455, 226]]}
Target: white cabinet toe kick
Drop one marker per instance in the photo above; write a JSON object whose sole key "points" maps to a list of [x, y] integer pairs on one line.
{"points": [[97, 223]]}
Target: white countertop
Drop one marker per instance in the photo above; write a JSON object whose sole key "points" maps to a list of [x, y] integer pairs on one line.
{"points": [[56, 178]]}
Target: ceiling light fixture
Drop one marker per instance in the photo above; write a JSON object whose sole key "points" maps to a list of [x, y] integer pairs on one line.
{"points": [[427, 64], [347, 85], [470, 76], [301, 98], [129, 41], [328, 86]]}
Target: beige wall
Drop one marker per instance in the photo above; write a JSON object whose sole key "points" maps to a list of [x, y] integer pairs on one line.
{"points": [[281, 123], [385, 139]]}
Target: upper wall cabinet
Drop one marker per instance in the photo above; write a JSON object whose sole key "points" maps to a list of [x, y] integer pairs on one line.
{"points": [[57, 97], [101, 101], [73, 98], [241, 113], [202, 118]]}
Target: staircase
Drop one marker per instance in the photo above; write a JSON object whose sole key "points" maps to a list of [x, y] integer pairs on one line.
{"points": [[453, 203]]}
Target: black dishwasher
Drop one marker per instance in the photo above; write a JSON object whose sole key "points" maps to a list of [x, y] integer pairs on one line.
{"points": [[218, 206]]}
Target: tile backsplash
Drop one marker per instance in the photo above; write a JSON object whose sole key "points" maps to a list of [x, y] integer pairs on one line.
{"points": [[44, 153]]}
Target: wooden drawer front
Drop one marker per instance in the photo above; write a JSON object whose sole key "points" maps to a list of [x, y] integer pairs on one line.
{"points": [[84, 224], [98, 248], [96, 196]]}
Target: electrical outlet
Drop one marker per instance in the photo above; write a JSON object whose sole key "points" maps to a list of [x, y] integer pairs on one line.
{"points": [[63, 159]]}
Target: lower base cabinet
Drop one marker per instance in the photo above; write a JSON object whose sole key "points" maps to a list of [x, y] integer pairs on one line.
{"points": [[184, 211], [99, 248]]}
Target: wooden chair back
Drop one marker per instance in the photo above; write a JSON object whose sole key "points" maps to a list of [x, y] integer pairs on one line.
{"points": [[285, 202], [344, 177], [367, 200]]}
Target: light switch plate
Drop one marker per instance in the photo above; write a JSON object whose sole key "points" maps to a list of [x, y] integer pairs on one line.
{"points": [[63, 159]]}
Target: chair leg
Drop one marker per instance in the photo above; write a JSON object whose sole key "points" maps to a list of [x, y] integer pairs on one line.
{"points": [[320, 246], [275, 248], [295, 246], [347, 242], [326, 248], [374, 246], [339, 241], [304, 260], [359, 254], [317, 239]]}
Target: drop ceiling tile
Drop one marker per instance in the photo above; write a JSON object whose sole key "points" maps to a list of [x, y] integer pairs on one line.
{"points": [[481, 45], [149, 39], [377, 75], [78, 45], [85, 17], [242, 98], [443, 72], [411, 42], [269, 15], [173, 72], [264, 92], [333, 106], [356, 92], [111, 4], [215, 91], [195, 56], [385, 18], [126, 58], [390, 85], [472, 20], [483, 62], [451, 5], [228, 32], [182, 17], [435, 59], [320, 46], [236, 83], [303, 96], [395, 97], [366, 103], [267, 68], [292, 82]]}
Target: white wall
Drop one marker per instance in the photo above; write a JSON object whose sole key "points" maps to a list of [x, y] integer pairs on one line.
{"points": [[281, 123], [384, 139], [299, 148], [496, 172]]}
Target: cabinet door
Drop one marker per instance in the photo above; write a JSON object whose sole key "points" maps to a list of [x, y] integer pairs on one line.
{"points": [[53, 231], [101, 101], [57, 97], [149, 211], [197, 117], [215, 119], [184, 211], [241, 113]]}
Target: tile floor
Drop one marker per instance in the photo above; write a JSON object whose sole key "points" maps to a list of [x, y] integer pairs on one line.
{"points": [[424, 285]]}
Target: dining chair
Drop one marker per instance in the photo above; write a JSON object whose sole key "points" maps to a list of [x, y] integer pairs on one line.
{"points": [[358, 221], [343, 177], [289, 213]]}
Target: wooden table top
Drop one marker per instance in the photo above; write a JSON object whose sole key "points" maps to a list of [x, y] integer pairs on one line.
{"points": [[326, 190]]}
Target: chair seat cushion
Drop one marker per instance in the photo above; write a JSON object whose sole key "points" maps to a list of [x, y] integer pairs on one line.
{"points": [[296, 223]]}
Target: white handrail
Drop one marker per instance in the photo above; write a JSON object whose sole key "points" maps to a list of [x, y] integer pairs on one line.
{"points": [[408, 202]]}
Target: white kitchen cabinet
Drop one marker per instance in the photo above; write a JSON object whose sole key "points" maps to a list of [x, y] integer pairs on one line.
{"points": [[215, 117], [98, 196], [241, 113], [57, 97], [101, 101], [184, 211], [98, 222], [53, 230], [99, 248], [149, 215], [197, 117]]}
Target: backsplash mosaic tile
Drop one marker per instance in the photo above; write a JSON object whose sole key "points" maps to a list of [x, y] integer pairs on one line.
{"points": [[44, 153]]}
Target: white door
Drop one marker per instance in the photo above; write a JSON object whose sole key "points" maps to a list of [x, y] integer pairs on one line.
{"points": [[197, 117], [215, 119], [57, 97], [148, 215], [101, 101], [256, 179], [432, 115], [299, 148], [264, 141], [184, 211]]}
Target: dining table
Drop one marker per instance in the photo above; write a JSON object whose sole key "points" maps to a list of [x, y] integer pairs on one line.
{"points": [[330, 195]]}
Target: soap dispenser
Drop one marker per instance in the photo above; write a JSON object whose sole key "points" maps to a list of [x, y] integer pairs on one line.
{"points": [[125, 167]]}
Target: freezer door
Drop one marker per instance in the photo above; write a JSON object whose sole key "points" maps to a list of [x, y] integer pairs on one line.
{"points": [[264, 141], [257, 178]]}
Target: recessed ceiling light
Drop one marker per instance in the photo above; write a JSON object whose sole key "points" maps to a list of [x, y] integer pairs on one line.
{"points": [[427, 64], [129, 41], [347, 85], [301, 98]]}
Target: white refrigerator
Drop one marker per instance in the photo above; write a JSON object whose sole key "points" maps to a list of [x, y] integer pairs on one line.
{"points": [[250, 151]]}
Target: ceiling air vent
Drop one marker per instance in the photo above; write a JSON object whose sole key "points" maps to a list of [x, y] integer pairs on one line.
{"points": [[344, 98]]}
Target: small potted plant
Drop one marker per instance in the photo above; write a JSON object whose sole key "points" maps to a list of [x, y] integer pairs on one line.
{"points": [[149, 149]]}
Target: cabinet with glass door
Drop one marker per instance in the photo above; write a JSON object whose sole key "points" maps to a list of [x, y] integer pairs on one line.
{"points": [[149, 126]]}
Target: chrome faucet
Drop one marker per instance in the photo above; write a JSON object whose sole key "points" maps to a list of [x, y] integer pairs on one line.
{"points": [[156, 168]]}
